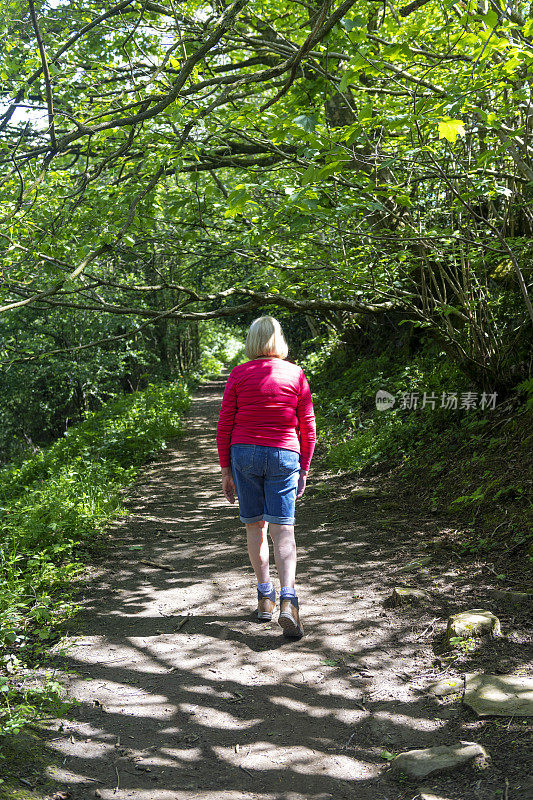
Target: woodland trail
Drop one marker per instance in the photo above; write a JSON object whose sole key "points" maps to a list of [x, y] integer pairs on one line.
{"points": [[182, 695]]}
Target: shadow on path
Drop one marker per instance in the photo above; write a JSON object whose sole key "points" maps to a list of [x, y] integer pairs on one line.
{"points": [[181, 694]]}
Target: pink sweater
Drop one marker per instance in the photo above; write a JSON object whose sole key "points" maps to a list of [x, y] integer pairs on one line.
{"points": [[267, 401]]}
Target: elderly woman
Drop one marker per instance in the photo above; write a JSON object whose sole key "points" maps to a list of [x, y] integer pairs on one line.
{"points": [[265, 438]]}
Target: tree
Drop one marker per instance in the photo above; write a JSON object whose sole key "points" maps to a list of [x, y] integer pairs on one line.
{"points": [[327, 159]]}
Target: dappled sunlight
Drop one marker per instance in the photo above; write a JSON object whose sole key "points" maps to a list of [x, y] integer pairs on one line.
{"points": [[209, 717], [397, 719], [170, 756], [93, 749], [182, 693], [302, 760]]}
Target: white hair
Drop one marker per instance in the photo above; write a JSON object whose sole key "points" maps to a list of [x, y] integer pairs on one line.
{"points": [[265, 338]]}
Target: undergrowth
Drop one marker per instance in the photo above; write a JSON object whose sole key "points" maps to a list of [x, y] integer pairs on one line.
{"points": [[473, 463], [53, 506], [357, 433]]}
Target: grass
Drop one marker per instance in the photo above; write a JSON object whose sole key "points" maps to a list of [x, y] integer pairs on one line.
{"points": [[53, 507], [357, 434]]}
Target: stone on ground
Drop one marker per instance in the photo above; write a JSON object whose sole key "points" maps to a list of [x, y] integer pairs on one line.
{"points": [[402, 595], [477, 622], [421, 763], [417, 564], [429, 794], [447, 686], [499, 695]]}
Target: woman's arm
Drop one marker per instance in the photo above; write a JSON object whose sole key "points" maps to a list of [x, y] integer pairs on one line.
{"points": [[224, 429], [306, 420], [228, 487], [302, 481], [225, 422]]}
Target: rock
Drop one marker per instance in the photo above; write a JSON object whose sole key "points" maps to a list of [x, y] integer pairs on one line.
{"points": [[421, 763], [477, 622], [447, 713], [513, 597], [416, 564], [428, 794], [499, 695], [401, 595], [447, 686]]}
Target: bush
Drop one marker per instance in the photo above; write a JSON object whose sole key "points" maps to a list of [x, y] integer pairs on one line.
{"points": [[474, 464], [54, 505]]}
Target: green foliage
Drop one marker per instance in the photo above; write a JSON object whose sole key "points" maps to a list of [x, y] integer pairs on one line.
{"points": [[526, 388], [474, 465], [358, 434], [221, 347], [43, 396], [390, 170], [23, 699], [53, 507]]}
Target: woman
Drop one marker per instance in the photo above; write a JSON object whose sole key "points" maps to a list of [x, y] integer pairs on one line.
{"points": [[266, 436]]}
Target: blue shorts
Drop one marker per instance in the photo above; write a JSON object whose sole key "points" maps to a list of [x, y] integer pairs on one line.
{"points": [[266, 479]]}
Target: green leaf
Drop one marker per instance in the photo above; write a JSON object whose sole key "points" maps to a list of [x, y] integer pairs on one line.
{"points": [[309, 175], [403, 200], [347, 78], [491, 18], [365, 113], [456, 640], [331, 169], [306, 121]]}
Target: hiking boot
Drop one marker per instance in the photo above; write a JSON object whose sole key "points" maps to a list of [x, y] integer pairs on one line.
{"points": [[289, 618], [266, 603]]}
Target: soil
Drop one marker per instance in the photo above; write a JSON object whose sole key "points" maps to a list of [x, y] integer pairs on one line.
{"points": [[181, 694]]}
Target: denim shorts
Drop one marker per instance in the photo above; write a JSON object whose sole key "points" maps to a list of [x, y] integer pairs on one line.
{"points": [[266, 479]]}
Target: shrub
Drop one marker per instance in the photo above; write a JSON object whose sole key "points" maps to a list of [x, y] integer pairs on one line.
{"points": [[52, 507]]}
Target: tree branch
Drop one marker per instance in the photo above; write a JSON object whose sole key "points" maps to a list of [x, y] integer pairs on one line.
{"points": [[33, 77], [46, 74], [414, 6], [40, 296]]}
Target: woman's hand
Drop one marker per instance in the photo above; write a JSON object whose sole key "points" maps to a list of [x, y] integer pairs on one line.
{"points": [[301, 484], [228, 487]]}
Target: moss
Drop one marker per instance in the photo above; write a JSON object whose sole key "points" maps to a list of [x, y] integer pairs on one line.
{"points": [[11, 793]]}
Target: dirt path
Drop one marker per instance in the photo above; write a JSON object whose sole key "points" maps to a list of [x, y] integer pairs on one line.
{"points": [[182, 695]]}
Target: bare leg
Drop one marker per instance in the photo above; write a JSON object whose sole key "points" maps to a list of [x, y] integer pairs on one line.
{"points": [[284, 552], [256, 538]]}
